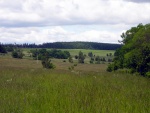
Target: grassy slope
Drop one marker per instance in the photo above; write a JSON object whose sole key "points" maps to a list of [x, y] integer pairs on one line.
{"points": [[74, 52], [28, 88]]}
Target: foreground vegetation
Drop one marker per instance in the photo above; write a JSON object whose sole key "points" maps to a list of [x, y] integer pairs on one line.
{"points": [[26, 87], [135, 52], [79, 83]]}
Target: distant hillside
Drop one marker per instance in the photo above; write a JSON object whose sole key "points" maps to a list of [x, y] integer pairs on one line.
{"points": [[70, 45], [81, 45]]}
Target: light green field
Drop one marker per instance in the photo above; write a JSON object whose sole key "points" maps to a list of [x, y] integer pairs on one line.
{"points": [[74, 52], [25, 87]]}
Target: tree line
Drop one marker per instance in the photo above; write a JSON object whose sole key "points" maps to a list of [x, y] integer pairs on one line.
{"points": [[68, 45], [53, 53]]}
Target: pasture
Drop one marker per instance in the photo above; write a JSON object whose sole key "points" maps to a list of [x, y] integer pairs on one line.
{"points": [[26, 87]]}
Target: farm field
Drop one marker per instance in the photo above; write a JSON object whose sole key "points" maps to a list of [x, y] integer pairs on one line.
{"points": [[26, 87]]}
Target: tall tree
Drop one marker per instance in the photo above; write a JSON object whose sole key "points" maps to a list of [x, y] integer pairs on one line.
{"points": [[81, 57], [135, 52], [2, 49]]}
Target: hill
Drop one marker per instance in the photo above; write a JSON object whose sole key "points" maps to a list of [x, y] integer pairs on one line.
{"points": [[71, 45], [81, 45]]}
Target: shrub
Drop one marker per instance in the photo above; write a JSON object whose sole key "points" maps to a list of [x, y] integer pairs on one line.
{"points": [[110, 68], [81, 57], [98, 62], [97, 58], [2, 49], [71, 68], [70, 59], [17, 54], [109, 60], [75, 64], [148, 74], [90, 54], [47, 64], [76, 56], [9, 49], [91, 61]]}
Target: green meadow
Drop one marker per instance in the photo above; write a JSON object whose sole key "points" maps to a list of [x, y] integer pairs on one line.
{"points": [[26, 87], [74, 52]]}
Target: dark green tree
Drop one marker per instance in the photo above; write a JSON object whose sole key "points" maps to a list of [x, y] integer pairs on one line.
{"points": [[90, 54], [76, 56], [91, 60], [70, 59], [81, 57], [46, 62], [135, 52], [17, 53], [2, 49]]}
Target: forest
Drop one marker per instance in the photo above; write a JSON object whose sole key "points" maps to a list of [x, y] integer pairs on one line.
{"points": [[68, 45]]}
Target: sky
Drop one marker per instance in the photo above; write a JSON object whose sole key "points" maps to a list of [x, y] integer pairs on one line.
{"points": [[41, 21]]}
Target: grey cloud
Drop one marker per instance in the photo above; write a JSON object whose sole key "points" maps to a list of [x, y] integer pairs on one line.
{"points": [[54, 34], [28, 13], [139, 1]]}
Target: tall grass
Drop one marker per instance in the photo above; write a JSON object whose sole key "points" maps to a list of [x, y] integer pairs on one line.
{"points": [[31, 89]]}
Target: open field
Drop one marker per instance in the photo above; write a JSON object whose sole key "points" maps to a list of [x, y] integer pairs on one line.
{"points": [[74, 52], [25, 87]]}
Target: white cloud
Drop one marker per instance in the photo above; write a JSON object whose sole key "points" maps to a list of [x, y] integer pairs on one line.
{"points": [[56, 33], [66, 12], [46, 20]]}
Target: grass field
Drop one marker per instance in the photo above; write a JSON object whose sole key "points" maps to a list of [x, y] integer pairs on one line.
{"points": [[74, 52], [25, 87]]}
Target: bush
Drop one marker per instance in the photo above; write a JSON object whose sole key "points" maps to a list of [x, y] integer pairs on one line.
{"points": [[109, 60], [47, 64], [97, 58], [9, 49], [91, 62], [70, 59], [17, 54], [76, 56], [98, 62], [81, 57], [148, 74], [14, 54], [71, 68], [75, 64], [90, 54], [54, 53], [2, 49], [110, 68]]}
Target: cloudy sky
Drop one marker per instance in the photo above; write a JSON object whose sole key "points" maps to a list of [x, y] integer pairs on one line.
{"points": [[39, 21]]}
